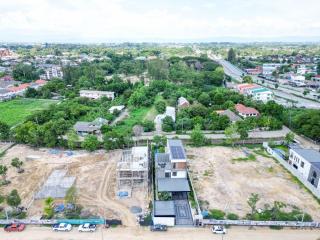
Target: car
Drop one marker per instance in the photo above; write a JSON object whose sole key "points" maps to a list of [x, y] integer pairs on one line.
{"points": [[14, 227], [218, 230], [87, 227], [62, 227], [158, 228]]}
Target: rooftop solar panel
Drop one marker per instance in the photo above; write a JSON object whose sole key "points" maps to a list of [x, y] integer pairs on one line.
{"points": [[177, 152]]}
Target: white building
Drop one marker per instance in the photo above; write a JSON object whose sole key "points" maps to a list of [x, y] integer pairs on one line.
{"points": [[93, 94], [307, 162], [269, 68], [260, 94]]}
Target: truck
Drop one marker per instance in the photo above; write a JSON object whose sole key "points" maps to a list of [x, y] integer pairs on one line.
{"points": [[87, 227], [62, 227], [14, 227]]}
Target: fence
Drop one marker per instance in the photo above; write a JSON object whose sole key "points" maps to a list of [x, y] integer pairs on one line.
{"points": [[262, 223], [53, 221], [293, 171]]}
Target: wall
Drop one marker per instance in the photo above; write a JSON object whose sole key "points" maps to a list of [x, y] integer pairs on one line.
{"points": [[169, 221], [180, 174], [293, 171]]}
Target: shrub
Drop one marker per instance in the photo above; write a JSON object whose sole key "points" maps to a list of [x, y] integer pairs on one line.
{"points": [[217, 214]]}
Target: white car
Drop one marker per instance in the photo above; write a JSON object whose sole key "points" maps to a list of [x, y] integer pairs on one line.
{"points": [[62, 227], [218, 230], [87, 227]]}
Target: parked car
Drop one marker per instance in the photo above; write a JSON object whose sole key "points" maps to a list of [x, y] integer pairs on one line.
{"points": [[14, 227], [87, 227], [62, 227], [218, 230], [158, 228]]}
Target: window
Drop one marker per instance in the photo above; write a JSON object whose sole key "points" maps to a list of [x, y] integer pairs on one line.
{"points": [[174, 165], [314, 174], [302, 164], [174, 174], [167, 174]]}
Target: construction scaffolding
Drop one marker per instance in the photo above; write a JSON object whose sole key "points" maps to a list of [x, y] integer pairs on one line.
{"points": [[133, 170]]}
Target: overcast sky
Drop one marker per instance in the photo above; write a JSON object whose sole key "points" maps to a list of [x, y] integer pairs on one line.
{"points": [[161, 20]]}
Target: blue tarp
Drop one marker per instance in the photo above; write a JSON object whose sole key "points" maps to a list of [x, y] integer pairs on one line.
{"points": [[59, 208], [123, 194]]}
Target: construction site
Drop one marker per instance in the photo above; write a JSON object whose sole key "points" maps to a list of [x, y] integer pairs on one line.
{"points": [[51, 173], [133, 171]]}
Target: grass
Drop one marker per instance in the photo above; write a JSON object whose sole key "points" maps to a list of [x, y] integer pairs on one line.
{"points": [[135, 117], [16, 111], [250, 158], [261, 152]]}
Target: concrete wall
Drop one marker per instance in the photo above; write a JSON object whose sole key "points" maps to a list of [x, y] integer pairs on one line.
{"points": [[296, 159], [180, 174], [169, 221]]}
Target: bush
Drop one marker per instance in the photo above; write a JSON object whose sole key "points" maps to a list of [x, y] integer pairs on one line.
{"points": [[217, 214], [232, 216], [164, 196], [148, 126]]}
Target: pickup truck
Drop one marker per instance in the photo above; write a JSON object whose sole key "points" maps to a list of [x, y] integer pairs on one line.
{"points": [[62, 227], [87, 227], [14, 227], [158, 228]]}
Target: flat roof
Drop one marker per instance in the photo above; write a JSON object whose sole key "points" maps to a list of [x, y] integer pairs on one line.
{"points": [[310, 155], [164, 208], [173, 185]]}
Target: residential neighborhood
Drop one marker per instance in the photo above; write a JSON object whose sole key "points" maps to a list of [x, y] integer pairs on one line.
{"points": [[160, 120]]}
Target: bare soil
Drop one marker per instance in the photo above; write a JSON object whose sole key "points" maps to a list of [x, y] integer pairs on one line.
{"points": [[95, 180], [227, 184]]}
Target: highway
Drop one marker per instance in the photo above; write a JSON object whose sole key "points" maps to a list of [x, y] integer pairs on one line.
{"points": [[282, 96]]}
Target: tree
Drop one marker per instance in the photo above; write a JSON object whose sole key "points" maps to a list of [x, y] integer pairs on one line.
{"points": [[167, 124], [247, 79], [197, 137], [4, 131], [318, 68], [24, 72], [276, 85], [148, 126], [71, 195], [243, 132], [252, 202], [204, 99], [73, 139], [160, 106], [13, 199], [48, 208], [289, 138], [231, 134], [90, 143], [231, 55], [15, 162], [3, 173]]}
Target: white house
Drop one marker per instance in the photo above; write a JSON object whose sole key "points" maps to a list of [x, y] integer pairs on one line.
{"points": [[269, 68], [307, 162], [261, 94], [93, 94]]}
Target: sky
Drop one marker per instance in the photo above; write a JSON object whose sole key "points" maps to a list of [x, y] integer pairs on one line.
{"points": [[100, 21]]}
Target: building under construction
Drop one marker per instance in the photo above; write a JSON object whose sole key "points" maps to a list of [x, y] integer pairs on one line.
{"points": [[133, 170]]}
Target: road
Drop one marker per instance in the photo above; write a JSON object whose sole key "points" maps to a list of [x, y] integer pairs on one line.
{"points": [[136, 233], [282, 95]]}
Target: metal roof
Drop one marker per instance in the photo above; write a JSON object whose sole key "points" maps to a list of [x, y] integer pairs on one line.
{"points": [[164, 208], [173, 185], [310, 155]]}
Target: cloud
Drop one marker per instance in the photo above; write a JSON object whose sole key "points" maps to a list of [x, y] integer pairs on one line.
{"points": [[107, 20]]}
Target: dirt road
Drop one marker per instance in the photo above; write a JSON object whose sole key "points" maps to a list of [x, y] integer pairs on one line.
{"points": [[122, 233]]}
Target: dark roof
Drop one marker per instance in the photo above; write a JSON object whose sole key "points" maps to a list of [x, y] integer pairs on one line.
{"points": [[231, 115], [164, 208], [85, 127], [310, 155], [173, 185], [176, 149]]}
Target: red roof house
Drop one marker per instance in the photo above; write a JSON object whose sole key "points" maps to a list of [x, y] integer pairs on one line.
{"points": [[246, 111]]}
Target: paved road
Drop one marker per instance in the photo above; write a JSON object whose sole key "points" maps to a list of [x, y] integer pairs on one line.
{"points": [[136, 233], [281, 95]]}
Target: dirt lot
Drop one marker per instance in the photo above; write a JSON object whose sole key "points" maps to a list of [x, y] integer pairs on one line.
{"points": [[234, 233], [95, 180], [226, 185]]}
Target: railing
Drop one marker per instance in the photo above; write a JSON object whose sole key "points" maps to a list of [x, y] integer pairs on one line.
{"points": [[52, 221], [262, 223]]}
